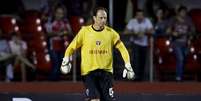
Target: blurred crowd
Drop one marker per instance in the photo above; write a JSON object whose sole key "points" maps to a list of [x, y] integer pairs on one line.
{"points": [[58, 29]]}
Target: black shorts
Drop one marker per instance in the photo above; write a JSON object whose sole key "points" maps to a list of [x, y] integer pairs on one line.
{"points": [[99, 84]]}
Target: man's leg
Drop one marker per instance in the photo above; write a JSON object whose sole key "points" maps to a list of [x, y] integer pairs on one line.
{"points": [[142, 62], [179, 62], [26, 61], [136, 60], [9, 72], [105, 87], [90, 85], [54, 75]]}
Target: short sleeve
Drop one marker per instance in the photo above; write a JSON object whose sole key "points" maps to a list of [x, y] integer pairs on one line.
{"points": [[129, 26], [149, 24], [24, 45]]}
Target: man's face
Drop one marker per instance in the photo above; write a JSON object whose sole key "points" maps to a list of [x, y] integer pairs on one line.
{"points": [[182, 13], [101, 18], [59, 14], [16, 39], [140, 16], [159, 13]]}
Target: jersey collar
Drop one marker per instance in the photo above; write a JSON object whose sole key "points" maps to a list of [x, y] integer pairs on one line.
{"points": [[96, 29]]}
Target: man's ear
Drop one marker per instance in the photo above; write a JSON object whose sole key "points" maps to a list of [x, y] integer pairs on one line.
{"points": [[94, 18]]}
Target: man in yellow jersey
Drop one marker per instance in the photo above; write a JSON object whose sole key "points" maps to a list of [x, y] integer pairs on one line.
{"points": [[96, 42]]}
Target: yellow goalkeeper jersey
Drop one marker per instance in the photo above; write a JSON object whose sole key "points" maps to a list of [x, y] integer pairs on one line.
{"points": [[96, 48]]}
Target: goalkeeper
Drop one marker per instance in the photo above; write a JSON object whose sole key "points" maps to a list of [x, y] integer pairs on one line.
{"points": [[96, 42]]}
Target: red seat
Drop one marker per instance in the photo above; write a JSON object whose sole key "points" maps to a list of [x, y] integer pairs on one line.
{"points": [[37, 41], [196, 15], [164, 58], [194, 59], [8, 24], [196, 43], [165, 61], [42, 62], [163, 52], [76, 22]]}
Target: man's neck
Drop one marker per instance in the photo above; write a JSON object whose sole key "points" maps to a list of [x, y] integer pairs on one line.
{"points": [[97, 28], [180, 18], [140, 21]]}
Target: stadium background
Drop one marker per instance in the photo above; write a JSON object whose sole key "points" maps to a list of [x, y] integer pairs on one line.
{"points": [[36, 87]]}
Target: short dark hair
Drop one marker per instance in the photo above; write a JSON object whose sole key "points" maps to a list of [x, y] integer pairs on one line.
{"points": [[181, 8], [99, 8], [139, 11], [14, 34], [60, 6]]}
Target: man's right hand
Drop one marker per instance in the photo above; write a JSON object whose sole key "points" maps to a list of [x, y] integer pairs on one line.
{"points": [[175, 34], [66, 65], [128, 72]]}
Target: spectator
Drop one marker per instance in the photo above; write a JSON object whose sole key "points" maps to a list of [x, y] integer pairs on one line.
{"points": [[87, 11], [6, 58], [47, 9], [160, 23], [180, 28], [139, 27], [18, 49], [60, 30]]}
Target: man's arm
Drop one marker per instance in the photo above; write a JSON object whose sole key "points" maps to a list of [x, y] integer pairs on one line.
{"points": [[122, 49], [128, 71], [76, 43], [6, 56], [129, 28]]}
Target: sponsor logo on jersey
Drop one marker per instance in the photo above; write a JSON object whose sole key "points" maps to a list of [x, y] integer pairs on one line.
{"points": [[98, 51]]}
